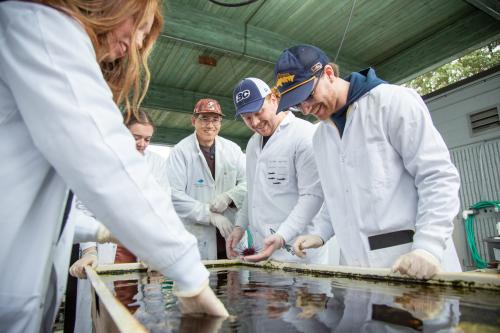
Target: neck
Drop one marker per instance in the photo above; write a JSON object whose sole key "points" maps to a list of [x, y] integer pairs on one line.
{"points": [[279, 118], [342, 93]]}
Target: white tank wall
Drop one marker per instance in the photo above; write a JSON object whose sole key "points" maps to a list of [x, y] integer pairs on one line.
{"points": [[477, 157]]}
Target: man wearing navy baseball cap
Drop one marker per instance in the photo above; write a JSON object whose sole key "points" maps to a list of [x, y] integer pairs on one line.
{"points": [[284, 193], [390, 187]]}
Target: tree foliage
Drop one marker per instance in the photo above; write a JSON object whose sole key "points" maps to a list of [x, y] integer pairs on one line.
{"points": [[459, 69]]}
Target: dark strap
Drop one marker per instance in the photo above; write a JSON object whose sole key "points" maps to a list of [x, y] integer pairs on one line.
{"points": [[71, 294], [390, 239], [67, 209]]}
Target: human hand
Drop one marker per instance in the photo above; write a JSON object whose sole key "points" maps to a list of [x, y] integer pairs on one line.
{"points": [[220, 203], [417, 263], [271, 244], [89, 258], [222, 223], [306, 242], [233, 240], [202, 301]]}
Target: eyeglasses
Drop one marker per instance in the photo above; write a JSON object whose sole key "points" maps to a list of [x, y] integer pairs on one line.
{"points": [[206, 120], [311, 95]]}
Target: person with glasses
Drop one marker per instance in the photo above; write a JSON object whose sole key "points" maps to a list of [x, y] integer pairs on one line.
{"points": [[284, 192], [391, 190], [207, 177], [66, 68]]}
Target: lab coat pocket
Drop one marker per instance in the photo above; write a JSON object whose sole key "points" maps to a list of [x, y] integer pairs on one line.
{"points": [[229, 177], [387, 256], [371, 167], [277, 173]]}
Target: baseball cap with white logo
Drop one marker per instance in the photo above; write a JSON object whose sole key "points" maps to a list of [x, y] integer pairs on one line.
{"points": [[249, 95]]}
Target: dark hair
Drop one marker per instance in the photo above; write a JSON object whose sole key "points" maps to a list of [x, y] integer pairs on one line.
{"points": [[142, 118]]}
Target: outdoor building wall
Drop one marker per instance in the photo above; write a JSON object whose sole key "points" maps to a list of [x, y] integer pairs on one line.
{"points": [[477, 157]]}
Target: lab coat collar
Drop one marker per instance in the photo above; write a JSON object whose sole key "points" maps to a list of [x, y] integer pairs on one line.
{"points": [[218, 156]]}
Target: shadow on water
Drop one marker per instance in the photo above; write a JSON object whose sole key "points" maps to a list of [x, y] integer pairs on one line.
{"points": [[274, 301]]}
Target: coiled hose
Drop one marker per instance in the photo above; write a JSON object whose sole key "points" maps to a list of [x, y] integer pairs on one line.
{"points": [[469, 229]]}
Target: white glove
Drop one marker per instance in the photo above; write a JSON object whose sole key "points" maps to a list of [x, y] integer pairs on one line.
{"points": [[222, 223], [89, 258], [306, 242], [104, 235], [417, 263], [233, 240], [202, 301], [220, 203]]}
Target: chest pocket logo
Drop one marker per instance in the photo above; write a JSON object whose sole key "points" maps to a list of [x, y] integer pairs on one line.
{"points": [[200, 183], [277, 173]]}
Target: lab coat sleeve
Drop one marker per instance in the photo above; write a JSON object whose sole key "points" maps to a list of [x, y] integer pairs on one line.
{"points": [[237, 193], [242, 217], [87, 245], [70, 114], [186, 206], [310, 192], [426, 158], [86, 226], [322, 225], [158, 166]]}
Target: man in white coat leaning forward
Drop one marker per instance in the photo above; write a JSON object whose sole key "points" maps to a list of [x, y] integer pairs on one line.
{"points": [[207, 176], [390, 188], [284, 192]]}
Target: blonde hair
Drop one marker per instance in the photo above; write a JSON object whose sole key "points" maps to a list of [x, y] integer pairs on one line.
{"points": [[275, 92], [129, 76]]}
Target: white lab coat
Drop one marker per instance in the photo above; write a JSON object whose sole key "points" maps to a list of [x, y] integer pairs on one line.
{"points": [[60, 128], [193, 186], [106, 252], [390, 171], [284, 192]]}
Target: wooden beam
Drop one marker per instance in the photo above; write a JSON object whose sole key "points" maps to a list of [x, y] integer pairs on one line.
{"points": [[448, 44], [189, 25], [490, 7], [183, 101]]}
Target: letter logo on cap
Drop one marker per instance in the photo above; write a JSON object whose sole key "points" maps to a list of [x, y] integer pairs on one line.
{"points": [[242, 95]]}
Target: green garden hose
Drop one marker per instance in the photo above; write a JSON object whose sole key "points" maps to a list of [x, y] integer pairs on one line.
{"points": [[469, 229]]}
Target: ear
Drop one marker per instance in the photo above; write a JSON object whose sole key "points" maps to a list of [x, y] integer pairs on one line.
{"points": [[330, 72], [193, 119]]}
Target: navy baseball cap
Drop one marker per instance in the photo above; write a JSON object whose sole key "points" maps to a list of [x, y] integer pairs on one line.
{"points": [[295, 71], [249, 95]]}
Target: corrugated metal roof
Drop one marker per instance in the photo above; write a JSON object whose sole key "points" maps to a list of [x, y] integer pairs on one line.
{"points": [[399, 38]]}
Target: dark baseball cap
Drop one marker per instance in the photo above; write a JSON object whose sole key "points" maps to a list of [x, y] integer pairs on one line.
{"points": [[294, 73], [249, 95]]}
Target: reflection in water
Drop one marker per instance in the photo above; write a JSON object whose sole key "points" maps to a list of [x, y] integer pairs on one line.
{"points": [[270, 301]]}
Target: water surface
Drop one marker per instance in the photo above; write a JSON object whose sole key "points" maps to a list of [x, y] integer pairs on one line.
{"points": [[262, 300]]}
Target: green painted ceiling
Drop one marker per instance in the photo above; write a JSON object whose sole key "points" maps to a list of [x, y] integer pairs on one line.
{"points": [[399, 38]]}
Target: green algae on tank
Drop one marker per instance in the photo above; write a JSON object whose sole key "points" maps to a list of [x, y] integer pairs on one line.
{"points": [[261, 300]]}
